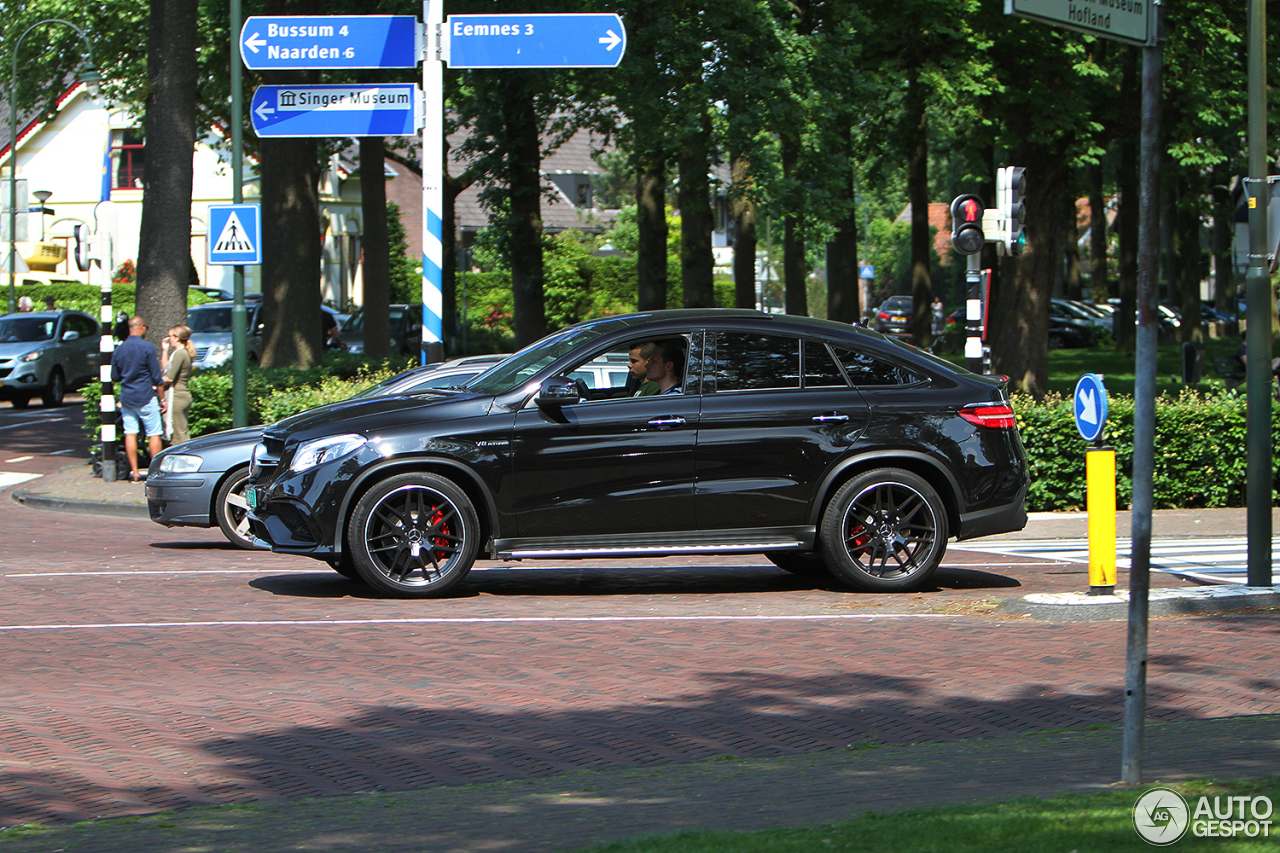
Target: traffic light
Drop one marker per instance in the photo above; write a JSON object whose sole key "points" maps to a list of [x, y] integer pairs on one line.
{"points": [[966, 224], [84, 247], [1011, 187]]}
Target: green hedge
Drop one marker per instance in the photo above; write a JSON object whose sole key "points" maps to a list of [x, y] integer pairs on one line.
{"points": [[1200, 458], [88, 298]]}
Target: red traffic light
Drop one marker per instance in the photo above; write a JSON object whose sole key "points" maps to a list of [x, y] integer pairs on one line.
{"points": [[966, 224]]}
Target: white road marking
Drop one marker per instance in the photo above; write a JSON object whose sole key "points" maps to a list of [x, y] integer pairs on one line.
{"points": [[13, 478], [475, 620], [19, 459], [34, 423]]}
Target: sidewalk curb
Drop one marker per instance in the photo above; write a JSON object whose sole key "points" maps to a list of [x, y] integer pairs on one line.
{"points": [[1081, 607], [34, 500]]}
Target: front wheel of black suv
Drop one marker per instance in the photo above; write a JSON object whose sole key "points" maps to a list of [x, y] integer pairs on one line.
{"points": [[884, 531], [414, 536]]}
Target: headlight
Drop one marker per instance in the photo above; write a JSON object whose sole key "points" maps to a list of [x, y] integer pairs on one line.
{"points": [[31, 356], [313, 453], [179, 463]]}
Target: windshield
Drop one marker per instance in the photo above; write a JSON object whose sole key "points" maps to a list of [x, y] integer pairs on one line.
{"points": [[209, 320], [27, 329], [516, 370]]}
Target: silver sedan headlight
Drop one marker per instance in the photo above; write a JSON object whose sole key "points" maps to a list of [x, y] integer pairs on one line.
{"points": [[180, 463], [313, 453]]}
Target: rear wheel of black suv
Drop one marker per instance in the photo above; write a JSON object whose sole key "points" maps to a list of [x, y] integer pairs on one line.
{"points": [[413, 536], [884, 531]]}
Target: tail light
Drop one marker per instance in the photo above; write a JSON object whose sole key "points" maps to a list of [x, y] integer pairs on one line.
{"points": [[883, 315], [997, 416]]}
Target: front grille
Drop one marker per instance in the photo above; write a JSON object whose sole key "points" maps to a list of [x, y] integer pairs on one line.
{"points": [[295, 520], [5, 371], [201, 352]]}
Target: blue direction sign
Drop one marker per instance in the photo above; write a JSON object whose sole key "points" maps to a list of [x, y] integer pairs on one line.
{"points": [[1090, 406], [235, 234], [330, 41], [388, 109], [535, 41]]}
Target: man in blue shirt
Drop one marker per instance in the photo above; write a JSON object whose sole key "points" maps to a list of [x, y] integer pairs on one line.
{"points": [[135, 365]]}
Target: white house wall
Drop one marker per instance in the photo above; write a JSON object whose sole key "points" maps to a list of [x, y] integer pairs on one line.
{"points": [[66, 156]]}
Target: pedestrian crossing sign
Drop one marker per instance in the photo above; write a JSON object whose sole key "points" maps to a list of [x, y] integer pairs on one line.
{"points": [[235, 234]]}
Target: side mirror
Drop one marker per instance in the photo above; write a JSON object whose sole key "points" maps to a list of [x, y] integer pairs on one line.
{"points": [[71, 335], [558, 391]]}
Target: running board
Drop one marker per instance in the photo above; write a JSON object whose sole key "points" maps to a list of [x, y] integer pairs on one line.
{"points": [[650, 546]]}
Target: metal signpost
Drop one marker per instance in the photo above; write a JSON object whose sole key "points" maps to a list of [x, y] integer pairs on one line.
{"points": [[389, 109], [1141, 22], [319, 42]]}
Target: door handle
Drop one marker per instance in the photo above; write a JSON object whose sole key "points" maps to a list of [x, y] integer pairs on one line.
{"points": [[667, 422], [830, 418]]}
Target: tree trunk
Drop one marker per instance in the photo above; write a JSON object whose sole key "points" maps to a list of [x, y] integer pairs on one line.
{"points": [[1127, 215], [1099, 282], [524, 180], [651, 222], [164, 252], [377, 257], [291, 250], [744, 235], [1224, 280], [1073, 283], [697, 264], [291, 253], [917, 126], [1186, 241], [795, 297], [1125, 316]]}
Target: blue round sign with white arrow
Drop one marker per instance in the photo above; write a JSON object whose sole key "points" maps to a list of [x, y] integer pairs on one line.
{"points": [[1090, 406]]}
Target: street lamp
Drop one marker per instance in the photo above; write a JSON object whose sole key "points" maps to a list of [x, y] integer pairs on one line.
{"points": [[89, 76], [42, 196]]}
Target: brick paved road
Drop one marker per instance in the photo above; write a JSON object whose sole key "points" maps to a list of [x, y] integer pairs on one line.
{"points": [[148, 669]]}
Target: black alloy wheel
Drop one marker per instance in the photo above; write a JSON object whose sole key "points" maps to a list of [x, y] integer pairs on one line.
{"points": [[414, 536], [884, 531], [57, 389], [231, 509]]}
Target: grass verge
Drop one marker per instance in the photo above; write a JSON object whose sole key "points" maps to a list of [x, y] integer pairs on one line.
{"points": [[1101, 821]]}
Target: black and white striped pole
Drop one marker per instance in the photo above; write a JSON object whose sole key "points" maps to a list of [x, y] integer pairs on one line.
{"points": [[90, 249], [967, 238]]}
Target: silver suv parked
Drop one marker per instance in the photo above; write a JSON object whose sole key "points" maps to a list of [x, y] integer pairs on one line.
{"points": [[211, 331], [46, 353]]}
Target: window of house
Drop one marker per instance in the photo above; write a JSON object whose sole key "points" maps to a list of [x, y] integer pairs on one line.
{"points": [[128, 153]]}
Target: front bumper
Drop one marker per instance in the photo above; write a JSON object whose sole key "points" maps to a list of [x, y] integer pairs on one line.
{"points": [[184, 500], [19, 377]]}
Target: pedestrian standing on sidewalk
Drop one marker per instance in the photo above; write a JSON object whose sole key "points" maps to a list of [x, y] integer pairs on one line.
{"points": [[177, 354], [136, 367]]}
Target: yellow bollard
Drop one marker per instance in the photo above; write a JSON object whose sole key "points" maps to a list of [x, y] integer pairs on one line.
{"points": [[1100, 480]]}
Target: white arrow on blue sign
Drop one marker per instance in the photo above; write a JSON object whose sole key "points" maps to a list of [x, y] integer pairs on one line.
{"points": [[568, 40], [330, 41], [388, 109], [1090, 406]]}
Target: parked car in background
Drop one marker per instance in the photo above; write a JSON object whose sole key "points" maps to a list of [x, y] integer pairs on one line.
{"points": [[406, 330], [211, 331], [1064, 333], [895, 316], [200, 483], [824, 446], [1070, 310], [45, 354]]}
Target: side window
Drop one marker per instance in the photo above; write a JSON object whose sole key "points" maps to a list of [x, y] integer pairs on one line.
{"points": [[820, 369], [83, 325], [608, 374], [748, 361], [866, 369]]}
